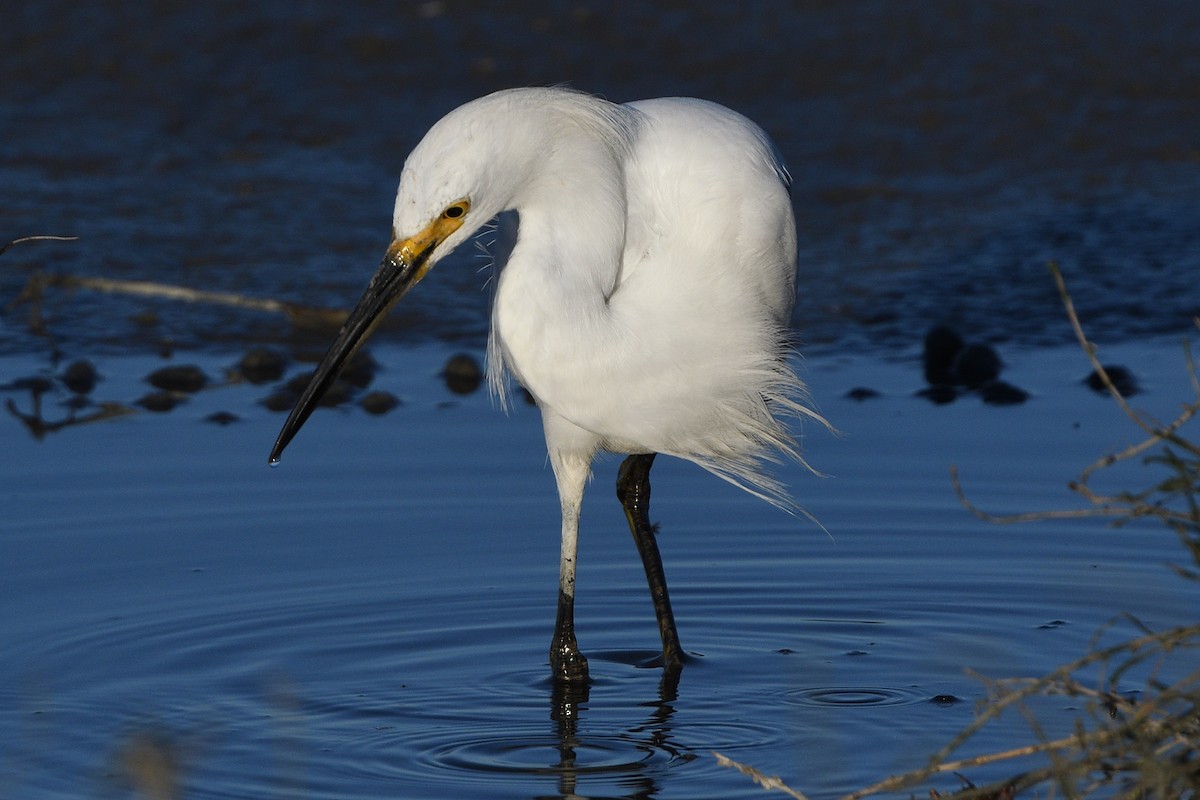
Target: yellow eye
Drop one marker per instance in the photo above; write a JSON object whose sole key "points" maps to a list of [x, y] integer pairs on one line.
{"points": [[456, 210]]}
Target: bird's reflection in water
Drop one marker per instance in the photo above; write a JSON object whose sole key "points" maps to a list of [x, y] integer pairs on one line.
{"points": [[651, 737]]}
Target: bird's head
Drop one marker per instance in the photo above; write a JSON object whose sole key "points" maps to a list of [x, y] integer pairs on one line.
{"points": [[452, 184], [510, 149]]}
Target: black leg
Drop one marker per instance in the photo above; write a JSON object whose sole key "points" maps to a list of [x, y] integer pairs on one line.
{"points": [[633, 490], [566, 662]]}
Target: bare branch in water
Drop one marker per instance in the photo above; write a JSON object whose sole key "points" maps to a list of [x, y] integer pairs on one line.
{"points": [[37, 238], [768, 782], [39, 427], [1143, 746], [302, 316], [1150, 426], [1127, 505]]}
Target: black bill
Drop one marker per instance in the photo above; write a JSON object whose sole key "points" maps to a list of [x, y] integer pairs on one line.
{"points": [[400, 271]]}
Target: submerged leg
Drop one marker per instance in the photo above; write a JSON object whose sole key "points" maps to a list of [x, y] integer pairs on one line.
{"points": [[566, 662], [633, 490]]}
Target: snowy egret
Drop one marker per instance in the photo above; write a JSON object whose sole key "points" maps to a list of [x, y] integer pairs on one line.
{"points": [[645, 303]]}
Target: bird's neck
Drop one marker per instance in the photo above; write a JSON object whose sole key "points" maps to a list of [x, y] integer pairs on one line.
{"points": [[552, 300]]}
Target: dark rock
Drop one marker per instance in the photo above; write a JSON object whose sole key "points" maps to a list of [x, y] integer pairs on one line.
{"points": [[182, 378], [222, 418], [338, 392], [939, 394], [1052, 624], [1122, 379], [976, 365], [283, 400], [378, 402], [359, 370], [145, 319], [298, 382], [262, 365], [1001, 393], [942, 346], [159, 401], [462, 374], [861, 393], [80, 376]]}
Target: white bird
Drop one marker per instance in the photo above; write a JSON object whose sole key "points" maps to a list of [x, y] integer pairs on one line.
{"points": [[645, 303]]}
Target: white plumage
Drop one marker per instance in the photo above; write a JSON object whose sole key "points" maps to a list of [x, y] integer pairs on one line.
{"points": [[645, 303]]}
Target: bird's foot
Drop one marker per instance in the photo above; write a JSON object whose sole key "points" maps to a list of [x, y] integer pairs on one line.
{"points": [[672, 659], [567, 664]]}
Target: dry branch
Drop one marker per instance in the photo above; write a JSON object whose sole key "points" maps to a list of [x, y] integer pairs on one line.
{"points": [[303, 316], [768, 782], [1153, 742], [38, 238]]}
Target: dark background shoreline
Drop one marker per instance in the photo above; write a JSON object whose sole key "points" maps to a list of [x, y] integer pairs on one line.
{"points": [[943, 152]]}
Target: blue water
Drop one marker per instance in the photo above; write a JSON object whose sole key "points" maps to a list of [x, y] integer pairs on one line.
{"points": [[372, 618]]}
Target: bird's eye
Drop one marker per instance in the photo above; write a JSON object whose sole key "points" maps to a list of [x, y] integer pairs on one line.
{"points": [[457, 210]]}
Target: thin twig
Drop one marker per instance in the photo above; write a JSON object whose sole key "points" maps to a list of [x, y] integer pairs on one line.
{"points": [[1150, 723], [39, 427], [1029, 516], [1089, 350], [1106, 505], [1191, 363], [167, 292], [994, 710], [38, 282], [1151, 427], [769, 782], [298, 314], [916, 776], [37, 238], [1081, 742]]}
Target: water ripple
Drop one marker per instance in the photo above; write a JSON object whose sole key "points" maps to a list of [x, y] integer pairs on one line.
{"points": [[545, 754], [854, 696]]}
